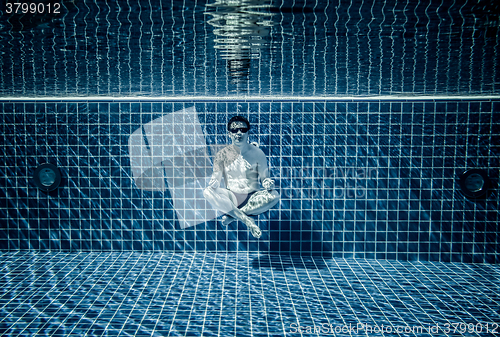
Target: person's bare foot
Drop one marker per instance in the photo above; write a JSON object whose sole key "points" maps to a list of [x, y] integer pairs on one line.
{"points": [[226, 220], [254, 229]]}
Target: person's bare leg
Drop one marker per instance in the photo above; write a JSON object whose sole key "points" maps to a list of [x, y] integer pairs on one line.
{"points": [[257, 204], [261, 202], [227, 219], [254, 229], [236, 214], [230, 216], [225, 201]]}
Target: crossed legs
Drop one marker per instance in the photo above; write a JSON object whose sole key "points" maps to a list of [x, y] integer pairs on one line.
{"points": [[225, 201]]}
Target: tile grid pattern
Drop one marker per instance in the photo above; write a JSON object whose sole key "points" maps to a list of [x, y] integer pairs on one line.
{"points": [[145, 48], [366, 179], [213, 294]]}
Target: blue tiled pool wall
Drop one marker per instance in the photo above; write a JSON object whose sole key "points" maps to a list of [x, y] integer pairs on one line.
{"points": [[308, 48], [364, 178]]}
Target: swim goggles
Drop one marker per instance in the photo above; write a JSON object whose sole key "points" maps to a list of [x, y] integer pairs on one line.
{"points": [[235, 130]]}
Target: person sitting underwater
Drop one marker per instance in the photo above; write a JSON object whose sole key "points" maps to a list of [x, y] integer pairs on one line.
{"points": [[243, 167]]}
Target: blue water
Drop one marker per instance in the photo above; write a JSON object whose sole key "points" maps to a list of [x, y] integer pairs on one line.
{"points": [[264, 48], [358, 179], [199, 294], [368, 113]]}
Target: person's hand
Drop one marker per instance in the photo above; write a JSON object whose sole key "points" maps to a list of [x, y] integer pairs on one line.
{"points": [[214, 183], [215, 180], [268, 184]]}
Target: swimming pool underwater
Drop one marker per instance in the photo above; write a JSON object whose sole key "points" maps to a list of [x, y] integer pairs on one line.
{"points": [[208, 294], [367, 111], [218, 48]]}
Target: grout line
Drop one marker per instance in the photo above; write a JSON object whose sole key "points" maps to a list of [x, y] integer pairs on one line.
{"points": [[252, 98]]}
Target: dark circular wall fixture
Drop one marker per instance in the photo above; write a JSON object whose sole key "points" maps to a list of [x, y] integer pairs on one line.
{"points": [[47, 177], [474, 183]]}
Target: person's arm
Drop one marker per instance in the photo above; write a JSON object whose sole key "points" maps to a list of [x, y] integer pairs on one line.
{"points": [[215, 180], [217, 173], [265, 180]]}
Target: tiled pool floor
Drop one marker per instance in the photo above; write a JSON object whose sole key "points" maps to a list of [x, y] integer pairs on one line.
{"points": [[208, 294]]}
